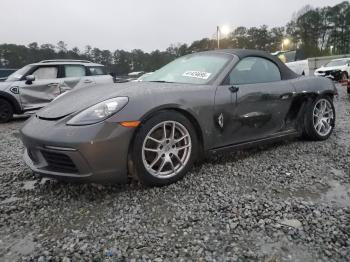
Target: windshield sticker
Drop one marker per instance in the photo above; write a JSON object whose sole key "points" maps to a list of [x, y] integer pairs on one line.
{"points": [[197, 74]]}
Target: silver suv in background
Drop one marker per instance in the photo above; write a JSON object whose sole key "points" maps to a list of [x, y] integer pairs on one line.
{"points": [[34, 86]]}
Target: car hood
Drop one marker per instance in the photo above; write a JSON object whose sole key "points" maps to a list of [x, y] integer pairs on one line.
{"points": [[83, 98], [331, 68]]}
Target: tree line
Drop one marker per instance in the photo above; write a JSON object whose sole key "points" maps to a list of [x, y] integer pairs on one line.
{"points": [[318, 31]]}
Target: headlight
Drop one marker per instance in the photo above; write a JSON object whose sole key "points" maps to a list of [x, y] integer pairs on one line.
{"points": [[99, 112]]}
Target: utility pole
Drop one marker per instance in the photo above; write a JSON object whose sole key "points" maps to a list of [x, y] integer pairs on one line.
{"points": [[218, 36]]}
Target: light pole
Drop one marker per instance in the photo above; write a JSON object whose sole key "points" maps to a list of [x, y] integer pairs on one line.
{"points": [[285, 43], [218, 36], [331, 47], [224, 30]]}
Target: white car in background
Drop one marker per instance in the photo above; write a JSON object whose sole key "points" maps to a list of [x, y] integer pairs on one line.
{"points": [[295, 60], [337, 69]]}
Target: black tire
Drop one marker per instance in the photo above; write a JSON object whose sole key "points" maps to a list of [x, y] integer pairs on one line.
{"points": [[6, 111], [310, 131], [139, 169]]}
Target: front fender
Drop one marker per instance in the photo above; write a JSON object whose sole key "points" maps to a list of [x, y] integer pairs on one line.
{"points": [[196, 104], [14, 102]]}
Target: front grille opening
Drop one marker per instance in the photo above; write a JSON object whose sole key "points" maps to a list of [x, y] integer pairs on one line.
{"points": [[58, 162], [50, 119]]}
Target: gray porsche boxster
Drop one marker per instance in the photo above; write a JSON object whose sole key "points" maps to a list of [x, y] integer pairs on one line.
{"points": [[154, 130]]}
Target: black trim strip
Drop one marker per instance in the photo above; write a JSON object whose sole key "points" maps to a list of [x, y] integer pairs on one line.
{"points": [[243, 145]]}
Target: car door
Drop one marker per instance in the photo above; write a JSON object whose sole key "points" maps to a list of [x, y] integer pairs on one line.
{"points": [[38, 93], [74, 77], [256, 102]]}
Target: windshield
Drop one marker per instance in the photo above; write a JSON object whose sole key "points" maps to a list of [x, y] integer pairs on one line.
{"points": [[18, 74], [191, 69], [337, 63]]}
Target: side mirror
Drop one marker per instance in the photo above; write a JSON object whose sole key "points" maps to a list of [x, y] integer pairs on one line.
{"points": [[30, 79]]}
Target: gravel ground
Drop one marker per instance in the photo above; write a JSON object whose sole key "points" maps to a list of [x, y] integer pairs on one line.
{"points": [[285, 202]]}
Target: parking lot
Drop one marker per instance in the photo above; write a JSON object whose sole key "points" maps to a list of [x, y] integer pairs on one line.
{"points": [[284, 202]]}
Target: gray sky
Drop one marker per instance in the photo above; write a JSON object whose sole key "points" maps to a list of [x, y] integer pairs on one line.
{"points": [[130, 24]]}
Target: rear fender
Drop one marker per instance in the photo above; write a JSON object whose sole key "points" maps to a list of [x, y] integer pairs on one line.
{"points": [[314, 85], [299, 106]]}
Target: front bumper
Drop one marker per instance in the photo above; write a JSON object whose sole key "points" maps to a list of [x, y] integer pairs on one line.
{"points": [[94, 153], [335, 75]]}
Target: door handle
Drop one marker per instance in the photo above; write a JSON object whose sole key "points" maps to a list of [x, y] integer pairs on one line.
{"points": [[53, 84], [234, 89], [286, 96], [87, 81]]}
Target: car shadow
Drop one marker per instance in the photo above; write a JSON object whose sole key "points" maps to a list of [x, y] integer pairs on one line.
{"points": [[98, 192], [84, 190]]}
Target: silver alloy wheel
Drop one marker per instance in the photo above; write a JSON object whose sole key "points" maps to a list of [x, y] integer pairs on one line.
{"points": [[323, 117], [166, 149]]}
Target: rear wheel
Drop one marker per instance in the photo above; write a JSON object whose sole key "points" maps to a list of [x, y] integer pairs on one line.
{"points": [[319, 118], [6, 111], [164, 149]]}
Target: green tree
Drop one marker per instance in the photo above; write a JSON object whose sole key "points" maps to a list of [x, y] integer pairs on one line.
{"points": [[315, 30]]}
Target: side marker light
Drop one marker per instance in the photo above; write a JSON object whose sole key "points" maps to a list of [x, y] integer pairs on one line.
{"points": [[130, 123]]}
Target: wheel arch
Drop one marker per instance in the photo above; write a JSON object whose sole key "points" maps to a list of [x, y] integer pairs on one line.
{"points": [[185, 112], [315, 94], [13, 101], [329, 93], [299, 105], [309, 129], [190, 116]]}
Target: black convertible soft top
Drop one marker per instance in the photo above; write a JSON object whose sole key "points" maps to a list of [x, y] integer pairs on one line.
{"points": [[286, 73]]}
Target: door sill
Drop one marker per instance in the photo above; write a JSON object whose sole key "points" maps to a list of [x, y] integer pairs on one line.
{"points": [[29, 110], [266, 140]]}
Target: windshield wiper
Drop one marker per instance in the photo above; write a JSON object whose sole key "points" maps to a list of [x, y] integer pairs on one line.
{"points": [[160, 81]]}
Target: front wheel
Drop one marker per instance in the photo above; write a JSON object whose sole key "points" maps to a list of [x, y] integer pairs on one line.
{"points": [[319, 118], [164, 149], [6, 111]]}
